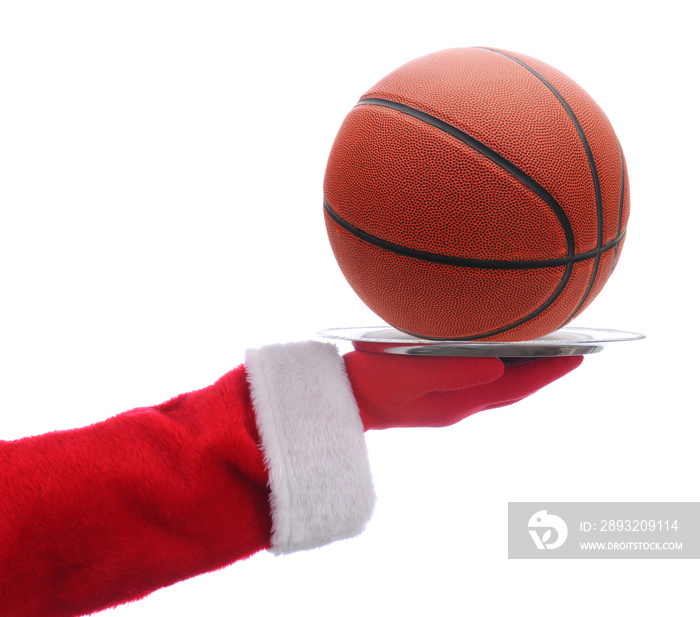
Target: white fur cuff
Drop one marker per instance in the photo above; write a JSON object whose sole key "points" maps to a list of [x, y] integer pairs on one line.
{"points": [[313, 443]]}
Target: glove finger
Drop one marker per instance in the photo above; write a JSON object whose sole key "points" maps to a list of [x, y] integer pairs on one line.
{"points": [[504, 403], [521, 380], [397, 379]]}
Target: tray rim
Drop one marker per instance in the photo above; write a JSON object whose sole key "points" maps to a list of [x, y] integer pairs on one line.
{"points": [[598, 339]]}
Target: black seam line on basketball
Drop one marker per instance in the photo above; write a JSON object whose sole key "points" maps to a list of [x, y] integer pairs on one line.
{"points": [[466, 262], [540, 309], [591, 164], [555, 294], [622, 204], [490, 154], [472, 263], [579, 130]]}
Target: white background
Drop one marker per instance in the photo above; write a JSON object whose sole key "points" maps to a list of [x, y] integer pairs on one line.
{"points": [[160, 212]]}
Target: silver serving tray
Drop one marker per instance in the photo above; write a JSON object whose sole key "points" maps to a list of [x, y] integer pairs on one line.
{"points": [[563, 342]]}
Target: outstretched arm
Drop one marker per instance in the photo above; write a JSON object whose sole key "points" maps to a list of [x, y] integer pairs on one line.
{"points": [[271, 456]]}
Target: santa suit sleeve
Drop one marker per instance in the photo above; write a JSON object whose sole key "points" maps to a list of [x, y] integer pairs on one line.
{"points": [[271, 456]]}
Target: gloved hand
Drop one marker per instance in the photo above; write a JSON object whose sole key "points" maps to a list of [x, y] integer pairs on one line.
{"points": [[421, 391]]}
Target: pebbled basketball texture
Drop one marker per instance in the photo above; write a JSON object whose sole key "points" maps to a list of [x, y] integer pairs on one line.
{"points": [[476, 194]]}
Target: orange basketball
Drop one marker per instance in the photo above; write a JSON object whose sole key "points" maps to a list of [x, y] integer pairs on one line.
{"points": [[476, 194]]}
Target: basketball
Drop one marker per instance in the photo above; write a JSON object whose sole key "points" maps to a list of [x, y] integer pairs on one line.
{"points": [[476, 194]]}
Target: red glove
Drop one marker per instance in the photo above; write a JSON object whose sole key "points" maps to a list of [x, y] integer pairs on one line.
{"points": [[412, 391]]}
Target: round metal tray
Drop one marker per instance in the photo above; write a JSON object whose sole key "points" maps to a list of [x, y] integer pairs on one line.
{"points": [[564, 342]]}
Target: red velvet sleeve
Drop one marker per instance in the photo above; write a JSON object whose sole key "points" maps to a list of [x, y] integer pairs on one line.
{"points": [[97, 516]]}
